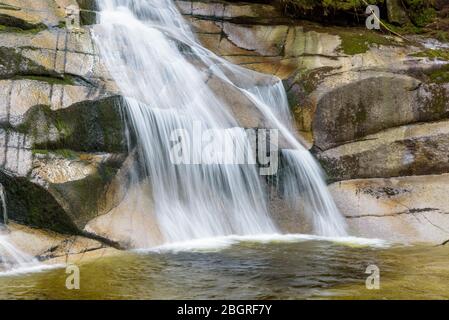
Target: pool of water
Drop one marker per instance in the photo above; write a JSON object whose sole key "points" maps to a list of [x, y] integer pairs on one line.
{"points": [[247, 269]]}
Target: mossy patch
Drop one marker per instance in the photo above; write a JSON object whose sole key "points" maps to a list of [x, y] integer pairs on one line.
{"points": [[440, 76], [309, 79], [33, 29], [39, 152], [14, 63], [88, 126], [353, 42], [65, 153], [421, 12], [65, 80], [433, 54], [32, 205]]}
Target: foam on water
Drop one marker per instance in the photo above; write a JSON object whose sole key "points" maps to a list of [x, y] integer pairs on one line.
{"points": [[221, 243], [29, 268]]}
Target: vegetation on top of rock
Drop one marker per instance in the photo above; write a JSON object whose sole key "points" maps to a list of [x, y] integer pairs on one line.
{"points": [[65, 80], [17, 29], [64, 153], [327, 5], [402, 16], [421, 12]]}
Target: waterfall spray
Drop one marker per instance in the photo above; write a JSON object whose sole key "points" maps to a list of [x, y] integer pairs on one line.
{"points": [[163, 72]]}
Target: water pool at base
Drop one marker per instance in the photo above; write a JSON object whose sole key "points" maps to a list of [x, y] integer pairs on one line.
{"points": [[312, 269]]}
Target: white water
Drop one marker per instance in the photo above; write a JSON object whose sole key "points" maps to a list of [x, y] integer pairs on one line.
{"points": [[221, 243], [11, 258], [163, 71]]}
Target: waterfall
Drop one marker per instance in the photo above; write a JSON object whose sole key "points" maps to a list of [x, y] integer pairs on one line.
{"points": [[3, 200], [10, 257], [165, 74]]}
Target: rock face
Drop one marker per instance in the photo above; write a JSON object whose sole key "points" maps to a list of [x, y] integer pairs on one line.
{"points": [[62, 139], [406, 150], [405, 209]]}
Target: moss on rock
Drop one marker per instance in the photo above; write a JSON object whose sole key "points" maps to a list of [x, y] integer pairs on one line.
{"points": [[13, 63], [32, 205], [359, 41], [82, 198], [90, 126], [440, 76]]}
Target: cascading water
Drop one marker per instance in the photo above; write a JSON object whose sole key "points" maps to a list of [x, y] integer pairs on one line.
{"points": [[3, 207], [10, 257], [163, 71]]}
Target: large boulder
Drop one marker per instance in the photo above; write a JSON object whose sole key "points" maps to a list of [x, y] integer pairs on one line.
{"points": [[407, 150], [404, 209]]}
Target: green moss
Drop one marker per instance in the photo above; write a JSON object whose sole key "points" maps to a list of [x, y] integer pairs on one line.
{"points": [[442, 36], [66, 153], [14, 63], [309, 79], [359, 42], [433, 54], [325, 5], [66, 80], [62, 127], [438, 105], [6, 6], [39, 151], [90, 5], [408, 28], [88, 126], [32, 205], [441, 75], [420, 11], [31, 30]]}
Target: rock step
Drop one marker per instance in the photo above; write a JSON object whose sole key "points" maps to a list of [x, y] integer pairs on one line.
{"points": [[404, 209], [418, 149]]}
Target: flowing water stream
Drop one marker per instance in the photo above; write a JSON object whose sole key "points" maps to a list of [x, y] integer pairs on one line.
{"points": [[165, 74]]}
